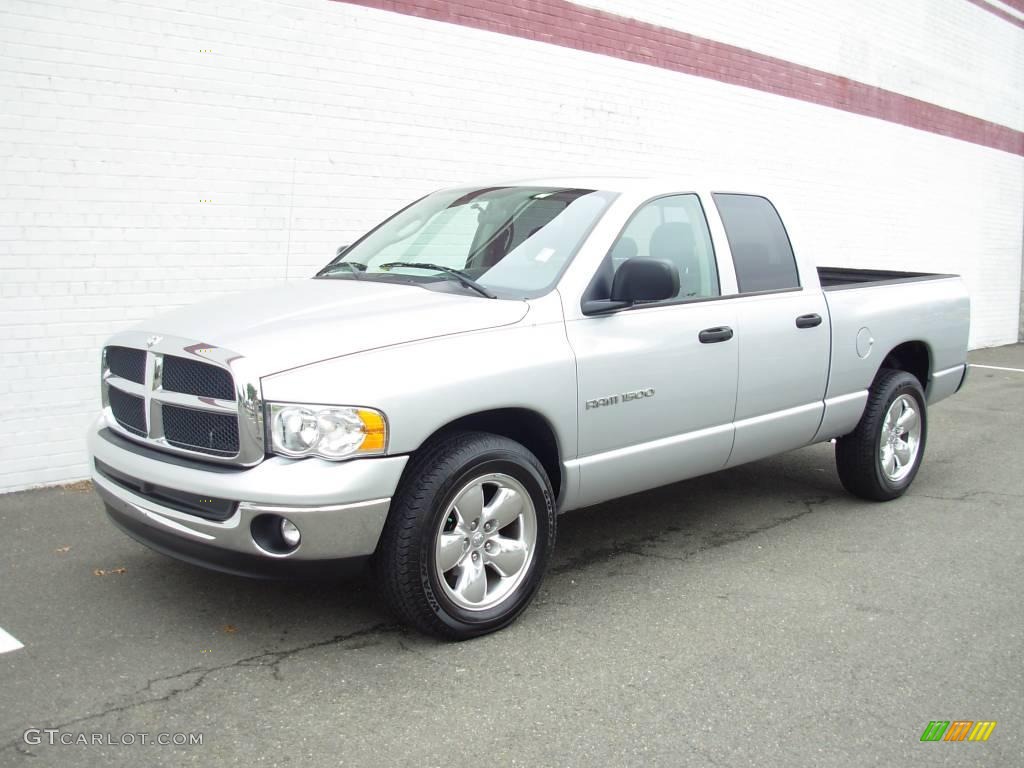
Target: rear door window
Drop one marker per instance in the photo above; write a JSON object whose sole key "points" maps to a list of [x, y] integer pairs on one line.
{"points": [[761, 251]]}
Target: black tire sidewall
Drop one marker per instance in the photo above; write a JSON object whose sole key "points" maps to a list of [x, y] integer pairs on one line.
{"points": [[905, 384], [497, 460]]}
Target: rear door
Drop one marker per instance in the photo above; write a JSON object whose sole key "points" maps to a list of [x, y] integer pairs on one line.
{"points": [[783, 334]]}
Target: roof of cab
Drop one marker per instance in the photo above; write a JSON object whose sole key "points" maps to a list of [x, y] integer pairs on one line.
{"points": [[608, 183], [636, 184]]}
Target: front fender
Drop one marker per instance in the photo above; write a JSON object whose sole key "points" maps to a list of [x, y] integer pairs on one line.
{"points": [[423, 386]]}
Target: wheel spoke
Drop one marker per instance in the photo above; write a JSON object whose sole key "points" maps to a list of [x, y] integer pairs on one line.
{"points": [[890, 419], [450, 551], [507, 555], [889, 464], [504, 508], [470, 504], [907, 420], [471, 585], [903, 452]]}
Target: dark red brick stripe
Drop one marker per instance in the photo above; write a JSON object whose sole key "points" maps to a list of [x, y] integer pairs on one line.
{"points": [[1000, 12], [1015, 4], [561, 23]]}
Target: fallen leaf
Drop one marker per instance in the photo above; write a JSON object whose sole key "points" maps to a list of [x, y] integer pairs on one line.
{"points": [[79, 485], [119, 570], [61, 550], [230, 628]]}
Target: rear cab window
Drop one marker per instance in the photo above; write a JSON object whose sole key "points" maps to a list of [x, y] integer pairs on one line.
{"points": [[761, 251]]}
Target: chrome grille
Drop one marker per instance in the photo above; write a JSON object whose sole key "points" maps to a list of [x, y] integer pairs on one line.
{"points": [[129, 410], [183, 397], [201, 431], [195, 378], [127, 363]]}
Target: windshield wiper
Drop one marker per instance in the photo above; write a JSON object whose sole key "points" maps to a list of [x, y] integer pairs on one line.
{"points": [[462, 277], [353, 266]]}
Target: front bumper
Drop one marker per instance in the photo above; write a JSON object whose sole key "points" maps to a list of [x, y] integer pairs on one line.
{"points": [[339, 507]]}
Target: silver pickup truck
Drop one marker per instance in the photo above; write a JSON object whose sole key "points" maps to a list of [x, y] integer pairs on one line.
{"points": [[491, 356]]}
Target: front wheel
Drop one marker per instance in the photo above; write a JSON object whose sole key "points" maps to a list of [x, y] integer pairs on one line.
{"points": [[468, 537], [879, 459]]}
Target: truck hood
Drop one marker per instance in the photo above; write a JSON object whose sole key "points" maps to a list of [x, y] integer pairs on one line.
{"points": [[298, 323]]}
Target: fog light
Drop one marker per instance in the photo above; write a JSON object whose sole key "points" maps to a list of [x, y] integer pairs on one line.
{"points": [[289, 533]]}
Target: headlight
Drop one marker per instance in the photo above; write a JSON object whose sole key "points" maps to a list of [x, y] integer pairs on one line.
{"points": [[328, 431]]}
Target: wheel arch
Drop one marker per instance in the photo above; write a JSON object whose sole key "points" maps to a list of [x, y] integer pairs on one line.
{"points": [[524, 425], [914, 357]]}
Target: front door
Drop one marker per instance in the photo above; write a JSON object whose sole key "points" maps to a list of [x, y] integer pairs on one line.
{"points": [[656, 397]]}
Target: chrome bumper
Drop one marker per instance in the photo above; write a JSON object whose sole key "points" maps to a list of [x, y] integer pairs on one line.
{"points": [[339, 507]]}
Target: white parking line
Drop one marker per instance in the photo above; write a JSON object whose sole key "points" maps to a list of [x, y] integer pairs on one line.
{"points": [[997, 368], [8, 643]]}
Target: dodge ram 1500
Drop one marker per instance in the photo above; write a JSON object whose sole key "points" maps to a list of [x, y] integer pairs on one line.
{"points": [[489, 357]]}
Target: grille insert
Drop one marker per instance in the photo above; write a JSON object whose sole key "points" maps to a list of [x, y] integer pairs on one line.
{"points": [[211, 433], [127, 363], [129, 410], [192, 377]]}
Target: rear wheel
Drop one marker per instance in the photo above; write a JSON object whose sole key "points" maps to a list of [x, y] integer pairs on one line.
{"points": [[880, 458], [468, 537]]}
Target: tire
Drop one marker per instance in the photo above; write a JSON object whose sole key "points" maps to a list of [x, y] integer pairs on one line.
{"points": [[867, 468], [451, 524]]}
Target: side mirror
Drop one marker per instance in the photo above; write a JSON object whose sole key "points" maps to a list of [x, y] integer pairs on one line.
{"points": [[342, 249], [637, 280], [645, 280]]}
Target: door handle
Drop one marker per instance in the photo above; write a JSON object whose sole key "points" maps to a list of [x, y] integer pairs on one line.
{"points": [[715, 335], [808, 321]]}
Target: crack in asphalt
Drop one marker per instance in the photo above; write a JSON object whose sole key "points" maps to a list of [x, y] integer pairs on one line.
{"points": [[636, 546], [968, 496], [425, 656], [196, 676], [191, 679]]}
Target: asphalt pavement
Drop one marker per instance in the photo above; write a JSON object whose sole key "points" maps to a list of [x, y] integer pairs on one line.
{"points": [[758, 616]]}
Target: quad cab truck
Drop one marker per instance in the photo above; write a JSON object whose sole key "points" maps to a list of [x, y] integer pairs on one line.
{"points": [[492, 356]]}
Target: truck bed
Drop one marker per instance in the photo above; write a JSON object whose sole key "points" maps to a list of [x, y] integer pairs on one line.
{"points": [[842, 278]]}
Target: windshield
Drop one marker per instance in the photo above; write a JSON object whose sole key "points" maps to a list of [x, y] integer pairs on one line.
{"points": [[512, 242]]}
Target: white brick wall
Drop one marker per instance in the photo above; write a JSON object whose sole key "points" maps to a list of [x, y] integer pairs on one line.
{"points": [[310, 120]]}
